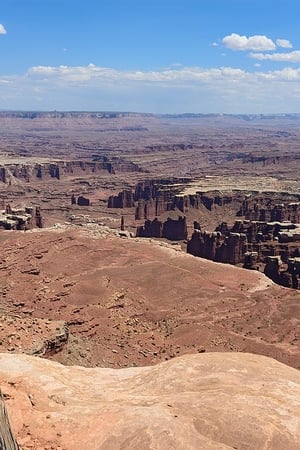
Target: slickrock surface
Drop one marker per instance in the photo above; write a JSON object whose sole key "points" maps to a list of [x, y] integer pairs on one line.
{"points": [[137, 302], [211, 401]]}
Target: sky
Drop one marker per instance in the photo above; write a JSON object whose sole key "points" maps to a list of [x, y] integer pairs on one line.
{"points": [[153, 56]]}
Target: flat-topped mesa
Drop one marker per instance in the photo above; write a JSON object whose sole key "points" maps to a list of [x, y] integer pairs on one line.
{"points": [[147, 189], [152, 198], [43, 170], [270, 160], [172, 229]]}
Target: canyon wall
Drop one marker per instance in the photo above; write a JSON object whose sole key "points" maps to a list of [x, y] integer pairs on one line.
{"points": [[269, 246], [27, 171], [262, 208], [172, 229]]}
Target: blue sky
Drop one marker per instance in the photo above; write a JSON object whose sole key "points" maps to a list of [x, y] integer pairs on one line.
{"points": [[161, 56]]}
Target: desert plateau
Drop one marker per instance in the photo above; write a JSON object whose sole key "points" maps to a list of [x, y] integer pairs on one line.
{"points": [[149, 281]]}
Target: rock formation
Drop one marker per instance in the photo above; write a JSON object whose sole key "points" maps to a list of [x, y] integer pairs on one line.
{"points": [[123, 200], [208, 401], [287, 275], [21, 219], [30, 335], [34, 171], [172, 229], [268, 209], [83, 201], [253, 244], [39, 221], [137, 301], [217, 247]]}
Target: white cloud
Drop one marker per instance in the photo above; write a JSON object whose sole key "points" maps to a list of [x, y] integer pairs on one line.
{"points": [[91, 72], [292, 57], [215, 44], [286, 74], [175, 89], [284, 43], [75, 74], [2, 29], [258, 43]]}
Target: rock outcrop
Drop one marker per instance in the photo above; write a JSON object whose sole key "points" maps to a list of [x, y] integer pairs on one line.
{"points": [[31, 335], [268, 209], [152, 198], [268, 245], [83, 201], [172, 229], [287, 275], [123, 200], [207, 401], [215, 246], [33, 171], [21, 219]]}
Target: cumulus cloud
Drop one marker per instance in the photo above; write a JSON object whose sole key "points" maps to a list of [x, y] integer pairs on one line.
{"points": [[93, 72], [292, 57], [2, 29], [258, 43], [284, 43], [189, 76], [174, 89], [286, 74]]}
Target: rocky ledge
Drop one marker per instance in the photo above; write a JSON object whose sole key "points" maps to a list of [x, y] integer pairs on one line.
{"points": [[205, 401], [32, 336]]}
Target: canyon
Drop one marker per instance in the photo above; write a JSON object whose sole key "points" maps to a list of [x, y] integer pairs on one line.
{"points": [[160, 255]]}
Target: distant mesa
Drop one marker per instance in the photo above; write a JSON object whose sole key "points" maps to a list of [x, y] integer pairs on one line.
{"points": [[28, 170]]}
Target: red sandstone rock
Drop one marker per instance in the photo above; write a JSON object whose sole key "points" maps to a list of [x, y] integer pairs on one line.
{"points": [[207, 401], [137, 301]]}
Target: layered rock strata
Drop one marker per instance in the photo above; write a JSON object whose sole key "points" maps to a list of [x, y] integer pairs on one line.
{"points": [[32, 171], [172, 229], [274, 246], [267, 210]]}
